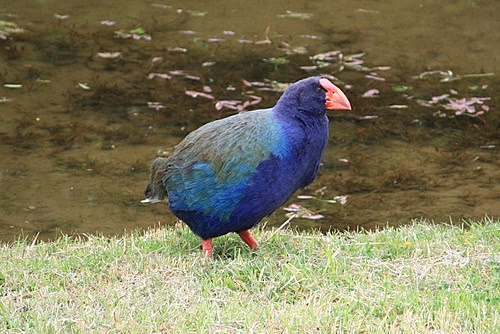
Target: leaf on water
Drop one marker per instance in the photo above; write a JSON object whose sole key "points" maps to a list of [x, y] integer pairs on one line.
{"points": [[184, 74], [294, 15], [436, 99], [109, 55], [311, 216], [263, 42], [367, 117], [230, 104], [192, 77], [138, 37], [137, 34], [13, 86], [155, 105], [276, 61], [299, 211], [374, 77], [327, 56], [187, 32], [161, 6], [177, 49], [159, 75], [341, 199], [84, 85], [380, 68], [108, 23], [310, 36], [267, 85], [400, 88], [61, 17], [121, 34], [354, 56], [442, 74], [238, 104], [196, 94], [245, 41], [308, 68], [215, 40], [293, 208], [194, 13], [371, 93]]}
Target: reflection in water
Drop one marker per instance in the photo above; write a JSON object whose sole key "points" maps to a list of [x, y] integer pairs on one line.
{"points": [[90, 94]]}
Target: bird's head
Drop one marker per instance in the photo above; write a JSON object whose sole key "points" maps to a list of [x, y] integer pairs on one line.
{"points": [[313, 96]]}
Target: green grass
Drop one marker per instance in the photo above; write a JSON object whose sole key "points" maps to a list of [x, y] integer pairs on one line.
{"points": [[420, 278]]}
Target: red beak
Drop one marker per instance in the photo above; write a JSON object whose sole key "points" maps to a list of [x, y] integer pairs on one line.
{"points": [[335, 98]]}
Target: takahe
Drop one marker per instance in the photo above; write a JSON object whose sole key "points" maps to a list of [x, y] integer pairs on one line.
{"points": [[228, 174]]}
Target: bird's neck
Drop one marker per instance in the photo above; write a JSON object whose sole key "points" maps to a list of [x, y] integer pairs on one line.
{"points": [[298, 116]]}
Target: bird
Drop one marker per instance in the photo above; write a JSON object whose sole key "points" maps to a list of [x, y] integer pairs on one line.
{"points": [[230, 173]]}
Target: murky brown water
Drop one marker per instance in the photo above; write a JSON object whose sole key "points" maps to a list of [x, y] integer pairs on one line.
{"points": [[78, 136]]}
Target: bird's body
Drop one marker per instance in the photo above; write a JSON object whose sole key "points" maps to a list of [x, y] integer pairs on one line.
{"points": [[229, 174]]}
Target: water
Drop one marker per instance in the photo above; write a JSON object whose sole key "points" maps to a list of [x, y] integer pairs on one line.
{"points": [[78, 135]]}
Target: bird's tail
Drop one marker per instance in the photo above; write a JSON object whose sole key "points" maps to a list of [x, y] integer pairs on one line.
{"points": [[155, 190]]}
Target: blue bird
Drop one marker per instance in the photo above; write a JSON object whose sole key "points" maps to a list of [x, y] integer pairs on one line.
{"points": [[230, 173]]}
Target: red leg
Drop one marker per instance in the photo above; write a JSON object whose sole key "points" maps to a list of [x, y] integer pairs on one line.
{"points": [[249, 239], [206, 247]]}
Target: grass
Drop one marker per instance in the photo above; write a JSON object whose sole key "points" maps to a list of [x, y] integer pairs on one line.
{"points": [[420, 278]]}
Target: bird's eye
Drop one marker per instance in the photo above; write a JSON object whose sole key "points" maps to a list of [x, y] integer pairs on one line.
{"points": [[320, 89]]}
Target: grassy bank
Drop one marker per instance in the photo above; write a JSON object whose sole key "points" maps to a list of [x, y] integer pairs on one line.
{"points": [[414, 279]]}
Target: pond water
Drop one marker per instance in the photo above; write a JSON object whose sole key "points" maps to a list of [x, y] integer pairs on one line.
{"points": [[91, 93]]}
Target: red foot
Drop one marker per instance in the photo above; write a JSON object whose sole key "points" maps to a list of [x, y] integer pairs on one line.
{"points": [[206, 246], [249, 239]]}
